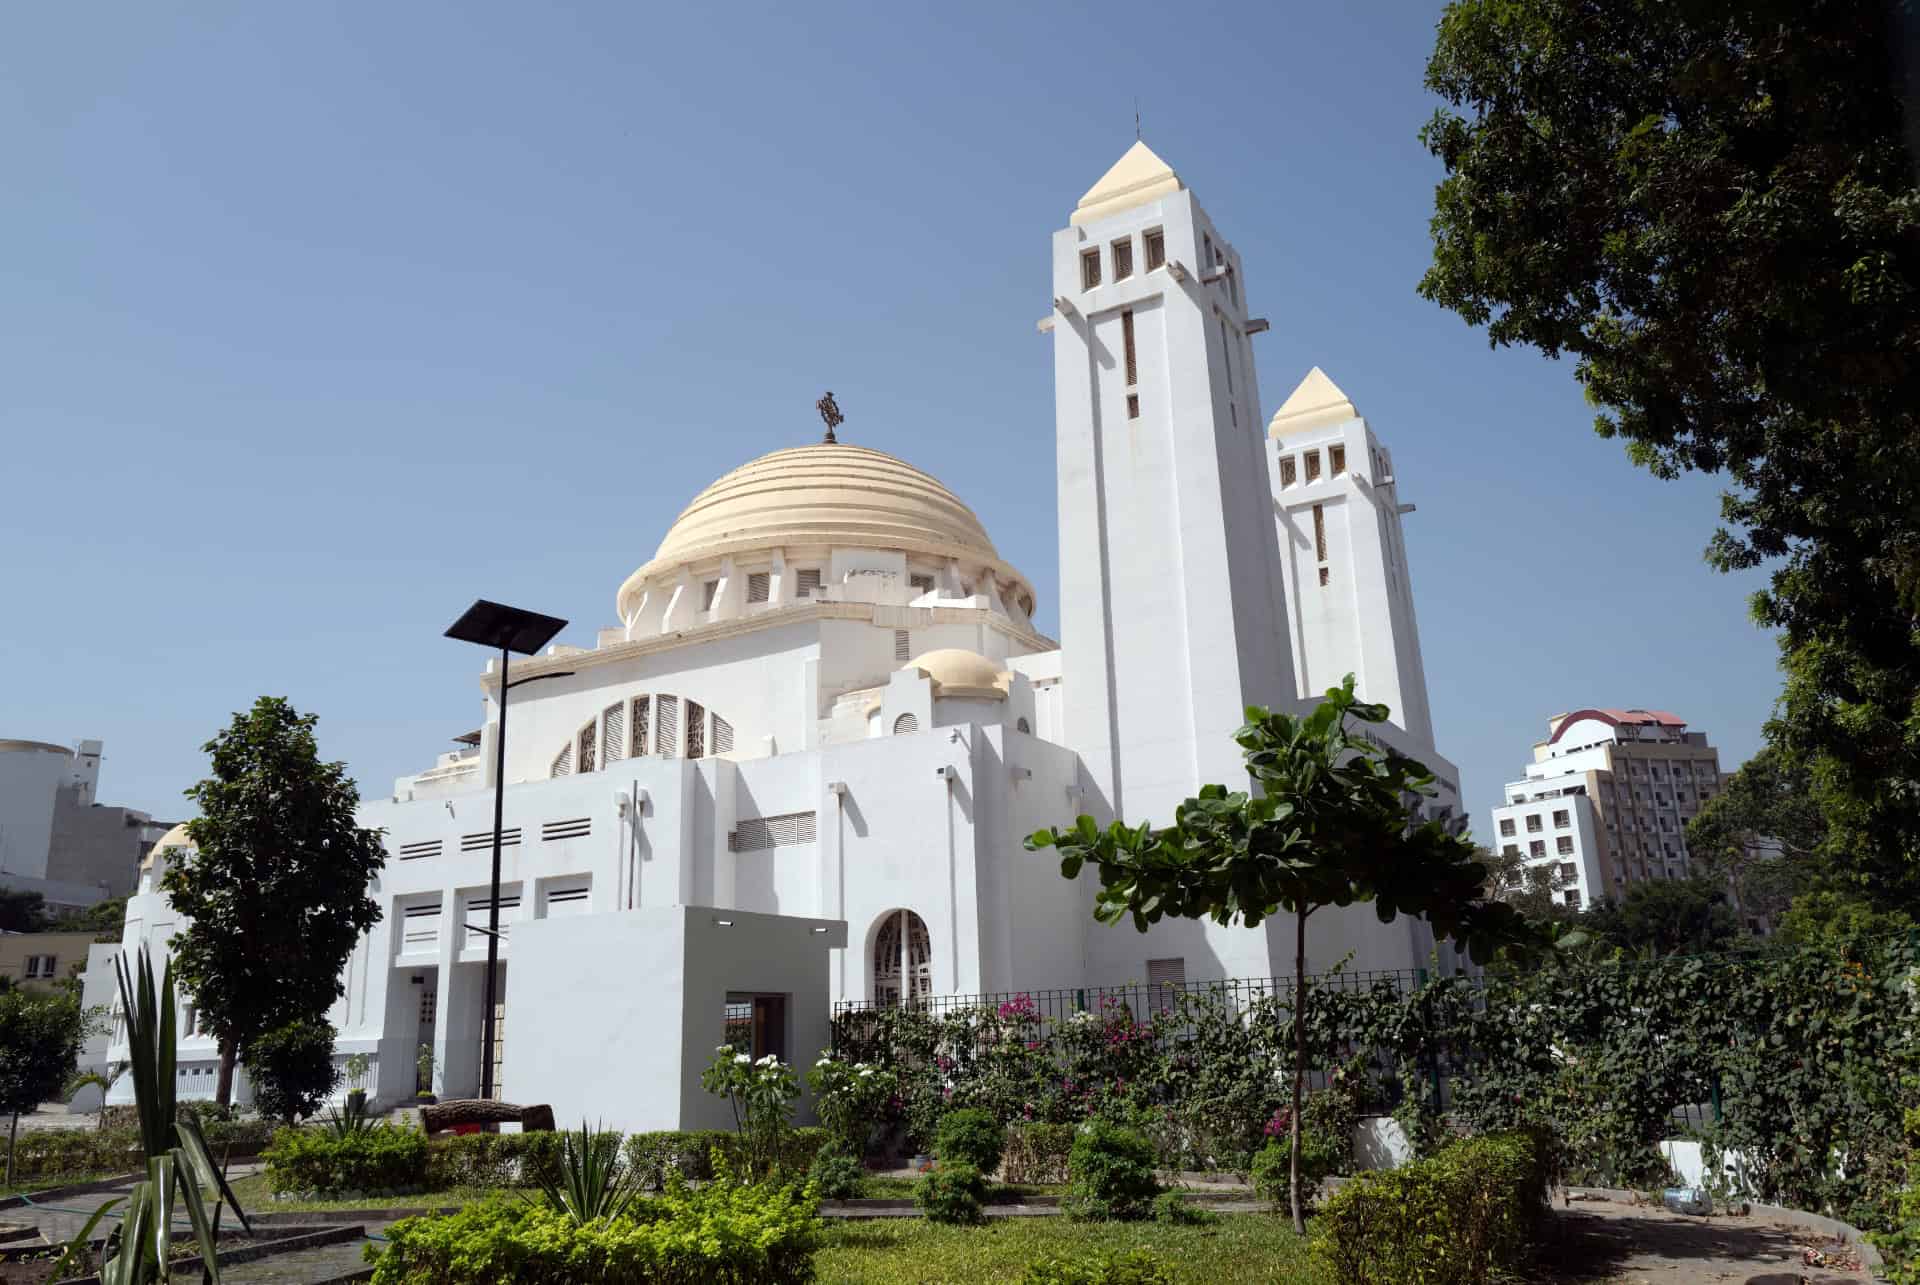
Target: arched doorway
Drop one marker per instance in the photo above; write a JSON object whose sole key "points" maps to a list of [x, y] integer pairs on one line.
{"points": [[902, 959]]}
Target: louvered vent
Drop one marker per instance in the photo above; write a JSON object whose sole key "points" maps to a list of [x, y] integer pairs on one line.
{"points": [[756, 833], [420, 927], [722, 735], [576, 900], [902, 645], [808, 582], [483, 841], [1165, 977], [669, 726], [759, 586], [563, 765], [614, 737], [906, 723], [578, 828], [477, 918], [696, 730], [424, 848], [641, 712]]}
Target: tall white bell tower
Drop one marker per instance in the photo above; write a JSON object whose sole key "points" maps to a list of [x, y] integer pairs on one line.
{"points": [[1173, 615]]}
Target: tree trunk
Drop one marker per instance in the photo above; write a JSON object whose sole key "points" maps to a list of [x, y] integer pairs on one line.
{"points": [[13, 1131], [1299, 1062], [223, 1087]]}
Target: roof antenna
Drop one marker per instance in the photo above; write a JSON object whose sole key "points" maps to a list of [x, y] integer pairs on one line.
{"points": [[830, 415], [1136, 120]]}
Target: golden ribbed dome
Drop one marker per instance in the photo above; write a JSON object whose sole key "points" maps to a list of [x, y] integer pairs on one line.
{"points": [[174, 838], [829, 493]]}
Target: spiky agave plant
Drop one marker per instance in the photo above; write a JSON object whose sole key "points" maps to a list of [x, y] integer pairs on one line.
{"points": [[178, 1164], [593, 1183]]}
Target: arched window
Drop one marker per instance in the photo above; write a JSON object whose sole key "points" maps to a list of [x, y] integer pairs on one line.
{"points": [[906, 723], [1022, 725], [902, 959]]}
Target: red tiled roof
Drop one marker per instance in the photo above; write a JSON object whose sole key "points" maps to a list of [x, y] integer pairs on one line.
{"points": [[1615, 717]]}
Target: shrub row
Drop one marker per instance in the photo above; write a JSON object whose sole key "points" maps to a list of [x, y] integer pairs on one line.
{"points": [[1468, 1215], [653, 1155], [71, 1152], [723, 1232]]}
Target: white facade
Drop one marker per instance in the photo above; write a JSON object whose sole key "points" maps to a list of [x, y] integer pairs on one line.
{"points": [[825, 718]]}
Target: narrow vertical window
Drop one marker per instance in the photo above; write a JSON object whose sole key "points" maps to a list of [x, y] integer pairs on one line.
{"points": [[668, 733], [1226, 348], [1287, 471], [1319, 534], [1133, 405], [1324, 573], [696, 730], [1126, 342], [1089, 269], [613, 740], [1156, 247], [1206, 250], [1123, 258], [1233, 290], [638, 727], [588, 744], [1313, 466], [707, 593], [1336, 460], [901, 648]]}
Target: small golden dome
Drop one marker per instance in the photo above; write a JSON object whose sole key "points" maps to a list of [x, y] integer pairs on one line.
{"points": [[832, 494], [174, 838], [958, 672]]}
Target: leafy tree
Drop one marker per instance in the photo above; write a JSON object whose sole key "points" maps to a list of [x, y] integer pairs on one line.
{"points": [[292, 1069], [1847, 924], [104, 919], [275, 885], [1528, 888], [1330, 827], [40, 1038], [1713, 208], [1666, 917], [1763, 834], [22, 912]]}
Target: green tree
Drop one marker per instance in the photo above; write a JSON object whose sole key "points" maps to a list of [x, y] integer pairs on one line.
{"points": [[1330, 826], [1763, 834], [1666, 917], [103, 919], [22, 912], [275, 885], [1528, 888], [1713, 208], [40, 1038], [1845, 923]]}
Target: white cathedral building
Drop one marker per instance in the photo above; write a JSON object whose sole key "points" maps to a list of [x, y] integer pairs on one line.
{"points": [[801, 767]]}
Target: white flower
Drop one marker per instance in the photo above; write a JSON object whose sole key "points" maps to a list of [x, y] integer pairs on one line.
{"points": [[825, 1061], [866, 1071], [768, 1060], [741, 1058], [723, 1048]]}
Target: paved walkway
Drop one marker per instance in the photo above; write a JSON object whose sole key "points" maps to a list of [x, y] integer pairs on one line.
{"points": [[1607, 1241]]}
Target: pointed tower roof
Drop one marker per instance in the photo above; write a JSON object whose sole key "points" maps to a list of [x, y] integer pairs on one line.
{"points": [[1316, 403], [1135, 179]]}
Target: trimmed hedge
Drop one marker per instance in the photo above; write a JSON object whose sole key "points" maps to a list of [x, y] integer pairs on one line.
{"points": [[71, 1152], [721, 1233], [970, 1136], [653, 1155], [496, 1159], [384, 1158], [1111, 1173], [1468, 1215], [1036, 1153]]}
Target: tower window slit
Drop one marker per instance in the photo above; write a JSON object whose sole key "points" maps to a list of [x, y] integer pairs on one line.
{"points": [[1319, 533], [1126, 342], [1156, 248], [1336, 460], [1123, 258], [696, 730], [587, 747], [1226, 348], [1089, 269], [1133, 405], [638, 727], [1313, 466], [1288, 473]]}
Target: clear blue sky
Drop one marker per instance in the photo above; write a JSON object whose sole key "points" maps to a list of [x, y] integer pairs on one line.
{"points": [[322, 320]]}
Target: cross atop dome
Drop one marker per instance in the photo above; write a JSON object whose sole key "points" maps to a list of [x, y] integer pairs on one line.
{"points": [[1136, 178], [830, 416]]}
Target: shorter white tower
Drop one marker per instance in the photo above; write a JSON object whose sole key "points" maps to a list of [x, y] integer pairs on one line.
{"points": [[1344, 557]]}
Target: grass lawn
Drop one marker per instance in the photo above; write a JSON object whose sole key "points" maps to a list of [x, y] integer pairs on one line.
{"points": [[1240, 1250], [256, 1197]]}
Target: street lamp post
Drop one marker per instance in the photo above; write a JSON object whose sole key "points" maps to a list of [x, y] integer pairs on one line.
{"points": [[511, 629]]}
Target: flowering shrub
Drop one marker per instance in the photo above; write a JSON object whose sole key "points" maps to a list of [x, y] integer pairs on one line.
{"points": [[761, 1094], [848, 1097], [953, 1193]]}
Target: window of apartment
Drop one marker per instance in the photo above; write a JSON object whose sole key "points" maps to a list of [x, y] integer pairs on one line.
{"points": [[920, 583], [1089, 269], [1534, 824], [1336, 460], [696, 730], [637, 727], [707, 592], [1510, 850], [1287, 472], [1561, 820], [1154, 241], [1506, 827], [1313, 466], [1564, 845], [759, 586], [807, 581], [1567, 870], [1537, 848], [42, 965], [1571, 897], [1123, 258]]}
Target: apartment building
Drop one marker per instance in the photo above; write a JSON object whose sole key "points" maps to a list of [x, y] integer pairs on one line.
{"points": [[1606, 801]]}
